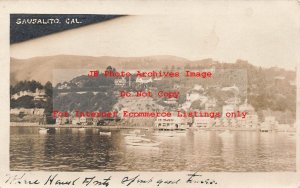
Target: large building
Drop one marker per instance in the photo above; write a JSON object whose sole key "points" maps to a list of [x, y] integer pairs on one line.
{"points": [[171, 123], [251, 120], [38, 95]]}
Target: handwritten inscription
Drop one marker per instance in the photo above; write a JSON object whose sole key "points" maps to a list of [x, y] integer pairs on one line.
{"points": [[16, 179], [59, 180], [56, 180]]}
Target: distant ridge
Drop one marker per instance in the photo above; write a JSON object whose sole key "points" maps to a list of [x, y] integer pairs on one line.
{"points": [[41, 68]]}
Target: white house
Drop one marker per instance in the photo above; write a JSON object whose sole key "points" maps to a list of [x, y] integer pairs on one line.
{"points": [[39, 94], [144, 80], [120, 81]]}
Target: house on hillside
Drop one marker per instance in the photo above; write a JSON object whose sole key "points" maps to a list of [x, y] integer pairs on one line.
{"points": [[38, 95], [120, 82], [144, 80]]}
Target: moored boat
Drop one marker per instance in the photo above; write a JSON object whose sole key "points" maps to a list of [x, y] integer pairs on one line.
{"points": [[105, 133], [139, 141], [43, 130]]}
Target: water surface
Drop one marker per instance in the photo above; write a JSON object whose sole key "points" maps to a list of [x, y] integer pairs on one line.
{"points": [[69, 149]]}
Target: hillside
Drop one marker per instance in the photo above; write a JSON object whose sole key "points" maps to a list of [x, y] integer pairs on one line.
{"points": [[41, 68]]}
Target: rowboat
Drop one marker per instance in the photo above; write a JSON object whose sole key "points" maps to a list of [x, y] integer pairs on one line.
{"points": [[144, 144], [139, 141], [105, 133], [43, 131]]}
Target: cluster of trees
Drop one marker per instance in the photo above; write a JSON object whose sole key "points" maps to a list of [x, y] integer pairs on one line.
{"points": [[86, 83], [25, 86], [86, 94], [102, 101]]}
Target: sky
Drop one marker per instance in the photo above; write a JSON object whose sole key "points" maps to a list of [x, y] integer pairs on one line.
{"points": [[264, 33]]}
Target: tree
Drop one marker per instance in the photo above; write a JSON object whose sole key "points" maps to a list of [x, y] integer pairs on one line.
{"points": [[48, 89]]}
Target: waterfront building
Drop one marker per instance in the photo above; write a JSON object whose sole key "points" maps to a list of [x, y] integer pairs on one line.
{"points": [[251, 121], [75, 121], [202, 122], [61, 120], [171, 123], [269, 124]]}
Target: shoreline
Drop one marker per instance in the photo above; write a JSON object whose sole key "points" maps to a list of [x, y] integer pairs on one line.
{"points": [[28, 124]]}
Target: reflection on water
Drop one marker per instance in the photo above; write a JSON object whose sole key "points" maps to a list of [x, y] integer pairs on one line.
{"points": [[69, 149]]}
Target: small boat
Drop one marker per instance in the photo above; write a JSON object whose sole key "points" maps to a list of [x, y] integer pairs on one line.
{"points": [[105, 133], [43, 131], [81, 129], [136, 138], [139, 141], [144, 144]]}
